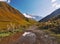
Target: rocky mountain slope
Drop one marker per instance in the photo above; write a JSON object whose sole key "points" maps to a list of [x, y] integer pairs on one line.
{"points": [[53, 14]]}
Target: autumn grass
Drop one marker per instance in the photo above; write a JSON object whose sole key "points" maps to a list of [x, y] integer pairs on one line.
{"points": [[57, 36], [9, 33], [4, 34]]}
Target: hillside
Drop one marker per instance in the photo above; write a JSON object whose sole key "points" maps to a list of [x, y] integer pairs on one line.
{"points": [[52, 27], [53, 14], [53, 24], [11, 16]]}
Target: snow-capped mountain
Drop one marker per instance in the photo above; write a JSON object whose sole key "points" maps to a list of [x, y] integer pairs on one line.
{"points": [[37, 18], [28, 16]]}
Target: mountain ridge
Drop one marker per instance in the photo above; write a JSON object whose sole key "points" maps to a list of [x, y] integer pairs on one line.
{"points": [[53, 14]]}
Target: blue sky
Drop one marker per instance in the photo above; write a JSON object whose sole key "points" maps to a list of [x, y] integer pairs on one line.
{"points": [[35, 7], [32, 7]]}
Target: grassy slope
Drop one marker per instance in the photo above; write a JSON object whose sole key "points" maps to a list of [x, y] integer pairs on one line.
{"points": [[9, 15], [12, 20], [52, 27]]}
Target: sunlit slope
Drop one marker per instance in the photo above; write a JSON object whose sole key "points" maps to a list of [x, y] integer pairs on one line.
{"points": [[9, 15]]}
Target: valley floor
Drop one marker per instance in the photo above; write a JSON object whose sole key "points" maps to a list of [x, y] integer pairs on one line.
{"points": [[36, 36]]}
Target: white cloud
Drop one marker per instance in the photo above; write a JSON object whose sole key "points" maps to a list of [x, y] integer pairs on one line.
{"points": [[55, 4], [8, 1], [53, 1]]}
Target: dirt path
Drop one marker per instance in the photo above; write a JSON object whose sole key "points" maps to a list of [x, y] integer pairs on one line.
{"points": [[40, 37]]}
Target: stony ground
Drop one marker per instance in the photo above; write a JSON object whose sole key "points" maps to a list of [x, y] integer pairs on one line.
{"points": [[33, 36], [36, 37]]}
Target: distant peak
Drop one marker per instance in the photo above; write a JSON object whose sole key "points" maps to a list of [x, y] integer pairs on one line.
{"points": [[28, 16]]}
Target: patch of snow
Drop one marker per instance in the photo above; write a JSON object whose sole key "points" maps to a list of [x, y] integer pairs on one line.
{"points": [[28, 16], [46, 36], [29, 37], [37, 18], [26, 33]]}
